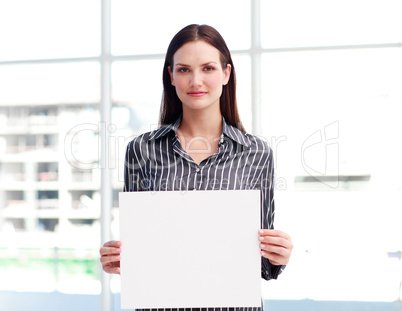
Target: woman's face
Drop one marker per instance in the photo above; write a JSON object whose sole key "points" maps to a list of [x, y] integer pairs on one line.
{"points": [[198, 76]]}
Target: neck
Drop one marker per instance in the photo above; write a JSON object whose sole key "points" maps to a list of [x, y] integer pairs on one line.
{"points": [[207, 125]]}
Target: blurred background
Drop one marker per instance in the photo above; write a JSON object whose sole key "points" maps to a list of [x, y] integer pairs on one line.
{"points": [[319, 80]]}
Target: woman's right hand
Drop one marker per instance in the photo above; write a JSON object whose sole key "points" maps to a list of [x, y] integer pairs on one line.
{"points": [[110, 257]]}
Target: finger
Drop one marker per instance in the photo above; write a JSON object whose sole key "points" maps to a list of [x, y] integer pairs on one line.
{"points": [[109, 259], [275, 233], [104, 251], [116, 264], [284, 252], [275, 259], [269, 240], [112, 244], [110, 269]]}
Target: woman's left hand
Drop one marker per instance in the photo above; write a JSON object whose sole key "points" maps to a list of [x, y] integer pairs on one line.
{"points": [[276, 246]]}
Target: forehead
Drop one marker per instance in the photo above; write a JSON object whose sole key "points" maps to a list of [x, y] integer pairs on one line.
{"points": [[196, 52]]}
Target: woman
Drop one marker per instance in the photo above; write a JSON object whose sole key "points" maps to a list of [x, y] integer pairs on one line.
{"points": [[201, 144]]}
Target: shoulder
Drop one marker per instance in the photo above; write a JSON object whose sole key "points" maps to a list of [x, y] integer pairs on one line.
{"points": [[258, 144], [141, 139], [247, 141], [138, 141], [144, 140]]}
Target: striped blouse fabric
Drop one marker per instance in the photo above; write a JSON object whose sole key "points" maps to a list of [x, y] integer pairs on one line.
{"points": [[156, 161]]}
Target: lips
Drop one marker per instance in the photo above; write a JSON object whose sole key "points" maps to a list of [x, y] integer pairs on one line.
{"points": [[197, 93]]}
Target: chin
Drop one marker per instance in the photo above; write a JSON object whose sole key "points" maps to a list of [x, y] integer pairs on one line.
{"points": [[200, 105], [197, 107]]}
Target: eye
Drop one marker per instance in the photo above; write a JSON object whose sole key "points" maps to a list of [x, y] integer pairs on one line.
{"points": [[209, 68], [182, 70]]}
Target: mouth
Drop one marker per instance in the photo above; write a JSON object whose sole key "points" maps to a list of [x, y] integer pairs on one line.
{"points": [[197, 93]]}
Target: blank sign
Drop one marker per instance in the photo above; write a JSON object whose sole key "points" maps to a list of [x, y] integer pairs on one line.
{"points": [[190, 249]]}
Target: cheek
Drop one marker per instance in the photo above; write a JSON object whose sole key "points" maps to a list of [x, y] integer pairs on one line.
{"points": [[214, 80], [180, 83]]}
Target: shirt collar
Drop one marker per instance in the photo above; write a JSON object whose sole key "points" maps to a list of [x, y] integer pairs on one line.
{"points": [[162, 131], [227, 130]]}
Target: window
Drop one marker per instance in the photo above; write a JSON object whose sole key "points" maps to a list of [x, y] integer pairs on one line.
{"points": [[49, 29], [319, 80], [160, 21], [316, 23]]}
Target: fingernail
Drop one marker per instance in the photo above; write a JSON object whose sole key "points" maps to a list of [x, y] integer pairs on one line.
{"points": [[262, 245], [261, 231], [261, 238]]}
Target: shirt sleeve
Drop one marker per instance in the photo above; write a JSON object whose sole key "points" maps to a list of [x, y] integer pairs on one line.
{"points": [[268, 270], [132, 169]]}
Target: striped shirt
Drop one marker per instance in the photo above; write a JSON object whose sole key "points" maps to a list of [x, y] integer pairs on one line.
{"points": [[156, 161]]}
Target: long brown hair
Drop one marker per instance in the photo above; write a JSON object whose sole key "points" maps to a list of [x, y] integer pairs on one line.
{"points": [[171, 106]]}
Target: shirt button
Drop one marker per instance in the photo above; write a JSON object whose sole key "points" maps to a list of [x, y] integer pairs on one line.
{"points": [[197, 169]]}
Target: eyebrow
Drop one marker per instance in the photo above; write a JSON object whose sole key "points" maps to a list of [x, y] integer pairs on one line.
{"points": [[185, 65]]}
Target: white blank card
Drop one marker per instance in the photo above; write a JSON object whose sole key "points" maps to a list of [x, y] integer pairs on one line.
{"points": [[190, 249]]}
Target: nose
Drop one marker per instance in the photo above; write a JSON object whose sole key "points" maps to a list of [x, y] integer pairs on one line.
{"points": [[196, 79]]}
